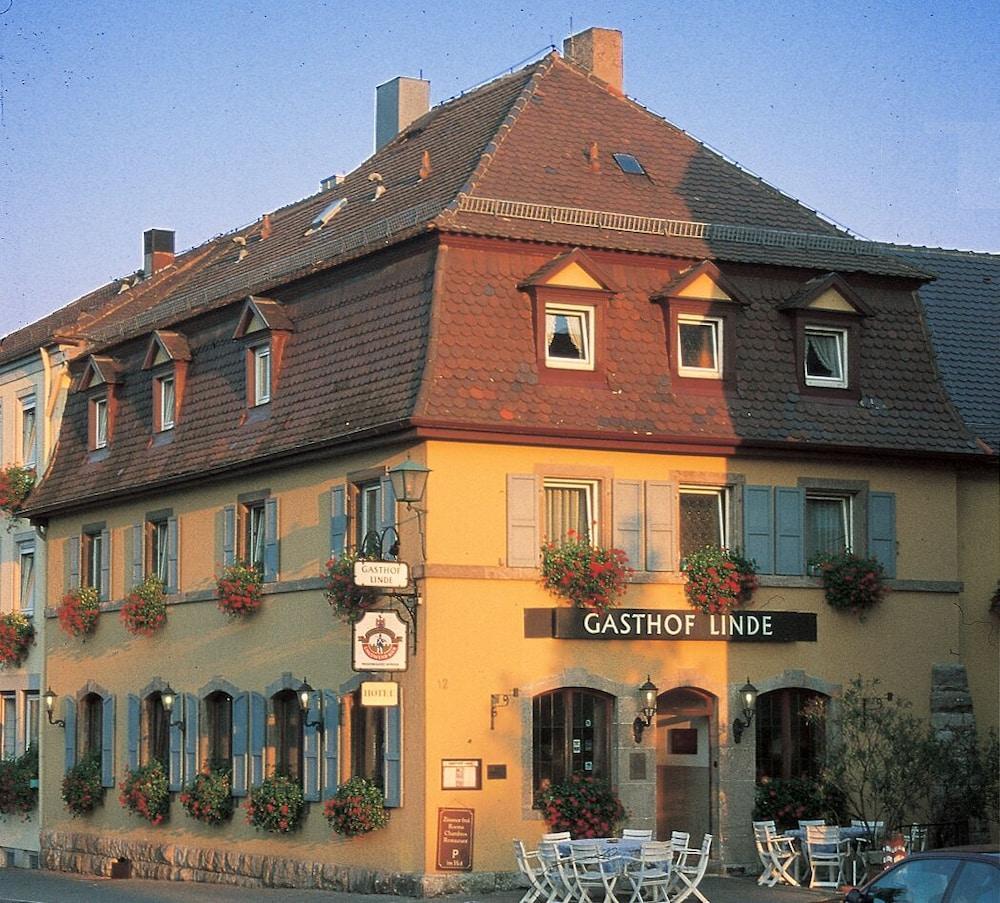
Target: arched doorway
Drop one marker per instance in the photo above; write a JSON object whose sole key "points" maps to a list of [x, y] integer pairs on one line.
{"points": [[685, 762]]}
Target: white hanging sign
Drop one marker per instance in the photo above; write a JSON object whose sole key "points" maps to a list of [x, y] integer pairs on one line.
{"points": [[379, 642]]}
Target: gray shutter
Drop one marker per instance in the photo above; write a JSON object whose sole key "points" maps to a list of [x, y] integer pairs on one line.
{"points": [[190, 737], [69, 732], [73, 562], [175, 755], [331, 736], [661, 530], [789, 550], [627, 512], [523, 547], [135, 575], [241, 737], [270, 540], [108, 741], [338, 521], [386, 514], [228, 535], [310, 752], [172, 556], [134, 713], [882, 529], [258, 737], [393, 764], [758, 527], [105, 565]]}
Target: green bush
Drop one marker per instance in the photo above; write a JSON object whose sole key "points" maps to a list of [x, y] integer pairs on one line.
{"points": [[17, 796]]}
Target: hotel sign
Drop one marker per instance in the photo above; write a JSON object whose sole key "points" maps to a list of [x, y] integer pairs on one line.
{"points": [[656, 624]]}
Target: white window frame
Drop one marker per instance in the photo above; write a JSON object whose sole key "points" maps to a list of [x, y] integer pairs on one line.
{"points": [[591, 494], [8, 724], [29, 414], [94, 550], [100, 423], [158, 566], [847, 512], [26, 549], [369, 501], [32, 718], [261, 374], [716, 323], [724, 508], [586, 315], [829, 382], [168, 401], [255, 536]]}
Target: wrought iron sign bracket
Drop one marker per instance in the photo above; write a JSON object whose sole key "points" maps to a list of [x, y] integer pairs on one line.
{"points": [[410, 603], [499, 701]]}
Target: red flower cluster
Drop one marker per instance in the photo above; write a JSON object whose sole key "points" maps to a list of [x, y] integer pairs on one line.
{"points": [[79, 611], [15, 484], [589, 576], [851, 583], [277, 805], [347, 599], [81, 787], [357, 808], [718, 580], [145, 792], [208, 798], [17, 796], [17, 633], [582, 805], [145, 609], [239, 590]]}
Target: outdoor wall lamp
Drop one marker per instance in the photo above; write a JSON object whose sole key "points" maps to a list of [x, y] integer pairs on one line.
{"points": [[748, 697], [647, 696], [50, 700], [168, 697], [409, 480], [305, 697]]}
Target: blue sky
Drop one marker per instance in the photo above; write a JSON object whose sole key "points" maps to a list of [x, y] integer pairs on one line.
{"points": [[199, 116]]}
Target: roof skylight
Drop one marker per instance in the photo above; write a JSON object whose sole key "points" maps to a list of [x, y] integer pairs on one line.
{"points": [[326, 214], [629, 164]]}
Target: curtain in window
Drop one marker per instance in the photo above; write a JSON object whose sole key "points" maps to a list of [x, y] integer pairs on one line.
{"points": [[701, 521], [28, 427], [823, 354], [698, 345], [167, 400], [826, 526], [567, 508], [27, 580], [564, 336]]}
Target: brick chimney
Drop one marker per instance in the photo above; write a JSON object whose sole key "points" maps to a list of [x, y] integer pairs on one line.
{"points": [[158, 250], [398, 103], [599, 51]]}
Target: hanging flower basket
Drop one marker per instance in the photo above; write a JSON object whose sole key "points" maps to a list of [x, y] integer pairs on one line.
{"points": [[17, 633], [583, 805], [209, 797], [348, 601], [145, 610], [79, 611], [19, 783], [357, 808], [851, 583], [719, 580], [145, 792], [589, 576], [82, 790], [15, 484], [277, 805], [239, 590]]}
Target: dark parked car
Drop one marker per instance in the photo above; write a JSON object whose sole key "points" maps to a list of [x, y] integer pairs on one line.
{"points": [[958, 875]]}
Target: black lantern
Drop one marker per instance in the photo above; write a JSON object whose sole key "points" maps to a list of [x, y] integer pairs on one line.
{"points": [[49, 697], [168, 697], [305, 698], [409, 480], [647, 696], [748, 699]]}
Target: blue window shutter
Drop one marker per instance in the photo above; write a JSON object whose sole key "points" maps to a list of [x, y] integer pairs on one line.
{"points": [[758, 527], [241, 736], [627, 510], [228, 535], [172, 556], [135, 566], [134, 711], [523, 547], [73, 562], [108, 741], [387, 513], [175, 756], [882, 529], [789, 550], [69, 733], [258, 736], [190, 736], [331, 736], [338, 521], [105, 565], [310, 752], [393, 755], [661, 526], [270, 540]]}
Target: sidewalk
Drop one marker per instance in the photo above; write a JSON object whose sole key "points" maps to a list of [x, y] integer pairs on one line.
{"points": [[40, 886]]}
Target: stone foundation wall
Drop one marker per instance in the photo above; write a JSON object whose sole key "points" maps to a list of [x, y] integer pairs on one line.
{"points": [[91, 854]]}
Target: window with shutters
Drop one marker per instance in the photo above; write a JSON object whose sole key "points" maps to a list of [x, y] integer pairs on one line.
{"points": [[364, 736], [571, 507], [29, 432], [154, 744], [253, 534], [704, 518], [285, 740], [369, 504], [249, 534], [94, 553], [828, 524], [90, 725], [8, 725], [32, 713], [157, 546], [217, 730], [27, 579], [571, 734], [363, 514]]}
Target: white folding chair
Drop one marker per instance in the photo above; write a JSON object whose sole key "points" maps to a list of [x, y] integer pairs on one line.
{"points": [[804, 824], [867, 849], [558, 870], [531, 867], [689, 875], [592, 873], [636, 834], [827, 853], [777, 853], [650, 871]]}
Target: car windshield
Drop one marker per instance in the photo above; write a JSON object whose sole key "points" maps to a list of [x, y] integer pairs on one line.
{"points": [[916, 881]]}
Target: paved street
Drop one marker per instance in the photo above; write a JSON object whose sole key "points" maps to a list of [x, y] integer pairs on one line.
{"points": [[38, 886]]}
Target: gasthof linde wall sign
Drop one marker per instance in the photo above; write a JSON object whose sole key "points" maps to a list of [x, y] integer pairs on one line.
{"points": [[379, 642], [386, 574]]}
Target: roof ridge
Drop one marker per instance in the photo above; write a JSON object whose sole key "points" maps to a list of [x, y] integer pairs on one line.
{"points": [[958, 252]]}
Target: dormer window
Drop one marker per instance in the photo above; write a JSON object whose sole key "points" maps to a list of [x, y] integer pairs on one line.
{"points": [[699, 346], [100, 381], [167, 357], [569, 337], [825, 357], [99, 421], [265, 327], [166, 390]]}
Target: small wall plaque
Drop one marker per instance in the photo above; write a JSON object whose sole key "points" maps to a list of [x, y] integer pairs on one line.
{"points": [[461, 774]]}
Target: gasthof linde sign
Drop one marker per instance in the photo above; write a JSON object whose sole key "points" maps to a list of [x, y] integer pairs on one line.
{"points": [[656, 624]]}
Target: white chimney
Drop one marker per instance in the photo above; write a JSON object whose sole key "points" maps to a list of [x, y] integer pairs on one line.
{"points": [[398, 103]]}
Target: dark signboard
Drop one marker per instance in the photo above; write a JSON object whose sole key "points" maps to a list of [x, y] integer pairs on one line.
{"points": [[656, 624], [454, 840]]}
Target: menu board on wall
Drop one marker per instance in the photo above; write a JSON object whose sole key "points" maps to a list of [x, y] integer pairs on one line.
{"points": [[454, 839]]}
